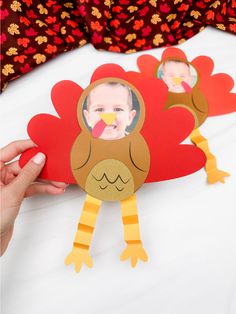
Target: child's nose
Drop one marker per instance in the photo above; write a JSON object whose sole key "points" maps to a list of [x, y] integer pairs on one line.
{"points": [[108, 118], [177, 80]]}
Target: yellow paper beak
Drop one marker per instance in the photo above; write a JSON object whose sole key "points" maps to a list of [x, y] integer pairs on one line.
{"points": [[108, 118], [177, 80]]}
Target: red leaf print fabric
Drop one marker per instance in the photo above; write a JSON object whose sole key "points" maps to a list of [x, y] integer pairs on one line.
{"points": [[40, 30]]}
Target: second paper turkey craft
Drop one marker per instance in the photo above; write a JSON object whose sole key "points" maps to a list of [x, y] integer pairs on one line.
{"points": [[193, 86], [110, 139]]}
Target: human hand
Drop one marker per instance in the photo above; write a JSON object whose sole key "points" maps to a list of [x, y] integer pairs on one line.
{"points": [[16, 183]]}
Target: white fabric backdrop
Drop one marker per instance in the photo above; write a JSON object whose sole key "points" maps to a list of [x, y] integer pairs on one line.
{"points": [[188, 227]]}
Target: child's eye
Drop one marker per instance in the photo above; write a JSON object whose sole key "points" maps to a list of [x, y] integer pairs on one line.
{"points": [[99, 109], [118, 109]]}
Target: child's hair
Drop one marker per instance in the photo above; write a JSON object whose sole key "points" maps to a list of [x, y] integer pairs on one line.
{"points": [[130, 101], [160, 70]]}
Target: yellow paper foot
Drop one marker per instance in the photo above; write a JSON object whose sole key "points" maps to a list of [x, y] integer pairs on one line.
{"points": [[213, 174], [134, 252], [79, 256], [216, 175]]}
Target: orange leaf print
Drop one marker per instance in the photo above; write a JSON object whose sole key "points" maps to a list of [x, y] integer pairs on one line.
{"points": [[23, 42], [117, 9], [72, 23], [138, 24], [114, 48], [232, 27], [20, 59], [107, 14], [28, 2], [70, 39], [115, 23], [24, 20], [50, 32], [51, 20], [165, 28], [210, 15], [175, 25], [50, 49], [183, 7], [96, 26], [140, 42]]}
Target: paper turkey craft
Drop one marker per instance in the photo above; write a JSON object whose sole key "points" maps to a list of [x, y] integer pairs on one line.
{"points": [[192, 85], [109, 139]]}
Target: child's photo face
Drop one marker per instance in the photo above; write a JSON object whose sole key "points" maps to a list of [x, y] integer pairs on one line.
{"points": [[109, 111], [177, 76]]}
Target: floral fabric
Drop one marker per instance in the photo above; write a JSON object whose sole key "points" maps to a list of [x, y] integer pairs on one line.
{"points": [[34, 31]]}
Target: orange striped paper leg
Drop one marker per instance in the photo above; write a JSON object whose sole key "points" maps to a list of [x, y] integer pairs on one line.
{"points": [[80, 252], [213, 173], [134, 249]]}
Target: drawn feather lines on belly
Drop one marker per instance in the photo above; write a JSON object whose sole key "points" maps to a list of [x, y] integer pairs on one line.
{"points": [[110, 181], [105, 180]]}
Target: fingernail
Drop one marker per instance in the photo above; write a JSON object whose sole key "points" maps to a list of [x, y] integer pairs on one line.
{"points": [[39, 158]]}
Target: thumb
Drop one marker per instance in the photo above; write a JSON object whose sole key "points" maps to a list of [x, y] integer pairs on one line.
{"points": [[28, 174]]}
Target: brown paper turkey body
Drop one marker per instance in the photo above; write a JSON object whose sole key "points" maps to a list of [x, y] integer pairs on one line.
{"points": [[110, 170], [116, 172]]}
